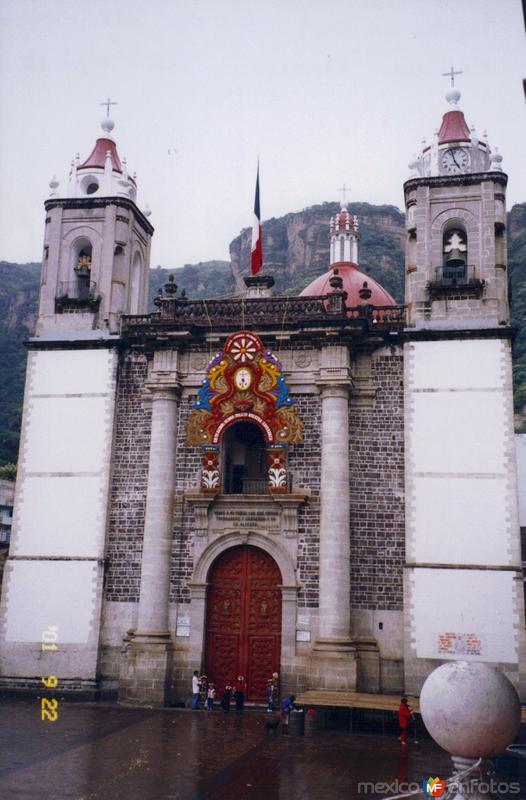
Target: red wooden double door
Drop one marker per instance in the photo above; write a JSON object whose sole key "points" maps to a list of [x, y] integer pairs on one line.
{"points": [[243, 628]]}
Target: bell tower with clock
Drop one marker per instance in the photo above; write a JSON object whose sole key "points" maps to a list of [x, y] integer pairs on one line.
{"points": [[456, 228], [460, 479]]}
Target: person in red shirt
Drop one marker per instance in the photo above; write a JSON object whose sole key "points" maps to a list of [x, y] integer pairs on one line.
{"points": [[240, 688], [405, 713]]}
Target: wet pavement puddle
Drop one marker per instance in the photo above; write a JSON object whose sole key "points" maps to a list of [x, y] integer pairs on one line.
{"points": [[109, 752]]}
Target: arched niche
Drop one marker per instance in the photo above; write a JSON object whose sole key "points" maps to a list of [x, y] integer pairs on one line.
{"points": [[78, 285], [446, 221], [135, 283], [454, 253]]}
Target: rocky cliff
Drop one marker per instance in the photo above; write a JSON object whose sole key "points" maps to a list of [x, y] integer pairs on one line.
{"points": [[296, 247]]}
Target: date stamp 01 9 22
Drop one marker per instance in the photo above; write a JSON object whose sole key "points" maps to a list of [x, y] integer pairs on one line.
{"points": [[49, 706]]}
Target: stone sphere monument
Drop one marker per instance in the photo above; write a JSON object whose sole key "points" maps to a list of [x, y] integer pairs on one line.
{"points": [[472, 711]]}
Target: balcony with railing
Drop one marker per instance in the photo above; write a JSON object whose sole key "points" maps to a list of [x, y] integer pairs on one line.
{"points": [[452, 281], [176, 313], [248, 486], [77, 295]]}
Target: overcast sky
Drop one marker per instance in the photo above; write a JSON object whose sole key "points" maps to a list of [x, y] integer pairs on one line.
{"points": [[325, 92]]}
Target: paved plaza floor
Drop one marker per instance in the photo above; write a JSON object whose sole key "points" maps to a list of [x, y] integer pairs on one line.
{"points": [[96, 751]]}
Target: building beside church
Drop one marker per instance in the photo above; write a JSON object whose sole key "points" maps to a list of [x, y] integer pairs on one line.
{"points": [[322, 485]]}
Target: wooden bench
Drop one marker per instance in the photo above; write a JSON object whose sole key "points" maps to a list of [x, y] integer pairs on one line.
{"points": [[380, 702]]}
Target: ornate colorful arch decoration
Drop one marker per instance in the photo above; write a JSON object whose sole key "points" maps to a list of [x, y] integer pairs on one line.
{"points": [[244, 382]]}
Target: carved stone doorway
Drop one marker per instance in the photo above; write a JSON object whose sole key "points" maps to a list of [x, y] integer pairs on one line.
{"points": [[243, 621]]}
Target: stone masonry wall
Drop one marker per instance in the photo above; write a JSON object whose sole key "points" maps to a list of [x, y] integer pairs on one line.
{"points": [[187, 476], [377, 486], [131, 448], [304, 463], [376, 444]]}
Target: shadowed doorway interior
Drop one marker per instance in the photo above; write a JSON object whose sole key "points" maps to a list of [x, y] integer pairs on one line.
{"points": [[245, 465]]}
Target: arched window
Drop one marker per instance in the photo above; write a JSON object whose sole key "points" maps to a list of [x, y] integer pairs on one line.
{"points": [[454, 256], [244, 460], [135, 284]]}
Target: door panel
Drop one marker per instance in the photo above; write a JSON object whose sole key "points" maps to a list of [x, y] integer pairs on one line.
{"points": [[243, 631]]}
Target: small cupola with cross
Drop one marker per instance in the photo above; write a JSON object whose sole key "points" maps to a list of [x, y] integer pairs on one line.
{"points": [[456, 149], [97, 244], [102, 173]]}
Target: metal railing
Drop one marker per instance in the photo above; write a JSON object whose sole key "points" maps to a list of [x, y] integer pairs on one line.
{"points": [[450, 281], [455, 276], [77, 290], [247, 486], [261, 312]]}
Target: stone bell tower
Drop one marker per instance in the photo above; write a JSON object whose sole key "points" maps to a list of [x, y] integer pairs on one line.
{"points": [[95, 268], [456, 228], [96, 245], [462, 583]]}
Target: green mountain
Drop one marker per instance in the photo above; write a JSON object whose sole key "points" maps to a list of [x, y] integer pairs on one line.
{"points": [[296, 250], [19, 285]]}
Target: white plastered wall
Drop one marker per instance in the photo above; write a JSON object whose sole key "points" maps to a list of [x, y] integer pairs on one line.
{"points": [[54, 574], [461, 506]]}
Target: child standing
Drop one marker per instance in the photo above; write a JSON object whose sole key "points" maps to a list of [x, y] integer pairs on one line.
{"points": [[270, 695], [240, 688], [225, 700], [404, 715], [211, 697], [203, 690]]}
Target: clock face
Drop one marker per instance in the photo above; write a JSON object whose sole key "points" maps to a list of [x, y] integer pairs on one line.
{"points": [[243, 379], [455, 160]]}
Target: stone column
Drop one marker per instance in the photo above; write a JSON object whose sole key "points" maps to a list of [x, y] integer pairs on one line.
{"points": [[335, 613], [146, 674], [334, 659]]}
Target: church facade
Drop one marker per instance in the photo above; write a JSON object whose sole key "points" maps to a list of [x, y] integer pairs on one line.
{"points": [[323, 486]]}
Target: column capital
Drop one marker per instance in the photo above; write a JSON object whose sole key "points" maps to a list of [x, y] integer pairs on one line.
{"points": [[162, 391], [198, 590], [335, 365], [335, 390], [289, 594]]}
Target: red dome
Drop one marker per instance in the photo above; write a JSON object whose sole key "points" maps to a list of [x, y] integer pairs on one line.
{"points": [[353, 281], [453, 128], [97, 157]]}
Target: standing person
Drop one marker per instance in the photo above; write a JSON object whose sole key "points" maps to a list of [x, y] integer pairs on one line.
{"points": [[239, 692], [195, 690], [270, 696], [287, 705], [275, 694], [225, 700], [203, 689], [210, 697], [405, 713]]}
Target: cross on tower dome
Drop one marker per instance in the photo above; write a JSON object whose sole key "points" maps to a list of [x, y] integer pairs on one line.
{"points": [[109, 103], [451, 74], [343, 189]]}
